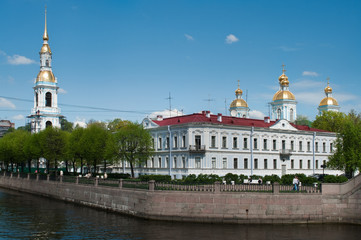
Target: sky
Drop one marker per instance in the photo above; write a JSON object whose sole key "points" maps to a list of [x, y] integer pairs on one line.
{"points": [[125, 59]]}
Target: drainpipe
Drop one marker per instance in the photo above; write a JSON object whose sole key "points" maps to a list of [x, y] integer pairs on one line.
{"points": [[313, 150], [251, 147], [170, 152]]}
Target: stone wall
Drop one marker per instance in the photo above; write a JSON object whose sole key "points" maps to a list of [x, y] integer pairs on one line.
{"points": [[336, 203]]}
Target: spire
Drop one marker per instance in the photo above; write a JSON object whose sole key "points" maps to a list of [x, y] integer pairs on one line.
{"points": [[283, 69], [45, 36], [328, 89]]}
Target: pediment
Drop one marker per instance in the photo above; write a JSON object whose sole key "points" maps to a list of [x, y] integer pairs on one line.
{"points": [[283, 125]]}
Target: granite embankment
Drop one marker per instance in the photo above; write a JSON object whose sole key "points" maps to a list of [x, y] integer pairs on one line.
{"points": [[336, 203]]}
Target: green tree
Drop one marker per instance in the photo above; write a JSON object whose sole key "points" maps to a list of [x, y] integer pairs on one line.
{"points": [[303, 120], [132, 143], [75, 148], [330, 121], [27, 127], [66, 125], [33, 150]]}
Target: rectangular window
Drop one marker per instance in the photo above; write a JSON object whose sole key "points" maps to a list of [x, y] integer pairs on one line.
{"points": [[308, 146], [224, 142], [309, 164], [316, 146], [166, 164], [159, 162], [265, 164], [316, 164], [183, 162], [255, 163], [292, 164], [167, 143], [324, 147], [152, 163], [274, 163], [224, 163], [183, 141], [175, 162], [235, 163], [235, 143], [245, 143], [300, 145], [283, 144], [198, 162], [264, 144], [153, 143], [331, 147], [292, 145], [274, 144], [213, 141], [160, 143], [197, 140], [301, 164], [213, 162], [245, 163], [175, 144], [255, 145]]}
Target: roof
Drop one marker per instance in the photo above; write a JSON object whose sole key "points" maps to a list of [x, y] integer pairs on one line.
{"points": [[226, 120]]}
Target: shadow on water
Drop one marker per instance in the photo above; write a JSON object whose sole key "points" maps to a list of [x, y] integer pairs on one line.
{"points": [[24, 216]]}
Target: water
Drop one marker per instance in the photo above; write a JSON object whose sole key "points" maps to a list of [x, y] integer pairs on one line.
{"points": [[24, 216]]}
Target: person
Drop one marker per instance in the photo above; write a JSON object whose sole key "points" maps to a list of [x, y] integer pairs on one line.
{"points": [[295, 183], [105, 175], [259, 181]]}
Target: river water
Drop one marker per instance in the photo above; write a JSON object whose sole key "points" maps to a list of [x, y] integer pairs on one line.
{"points": [[25, 216]]}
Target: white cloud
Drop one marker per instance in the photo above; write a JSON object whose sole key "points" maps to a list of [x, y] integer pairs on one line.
{"points": [[62, 91], [166, 113], [18, 117], [2, 53], [309, 73], [256, 114], [287, 49], [189, 37], [81, 122], [231, 39], [19, 60], [6, 103], [307, 84], [344, 97]]}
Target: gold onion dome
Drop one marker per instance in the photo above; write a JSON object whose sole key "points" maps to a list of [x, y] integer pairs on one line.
{"points": [[328, 101], [328, 89], [239, 103], [283, 95], [45, 76], [45, 48], [238, 91]]}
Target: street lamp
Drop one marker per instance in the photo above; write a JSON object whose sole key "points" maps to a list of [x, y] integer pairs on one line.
{"points": [[323, 168]]}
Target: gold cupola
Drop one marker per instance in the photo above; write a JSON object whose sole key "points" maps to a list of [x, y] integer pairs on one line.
{"points": [[45, 48], [239, 101], [283, 93], [328, 100]]}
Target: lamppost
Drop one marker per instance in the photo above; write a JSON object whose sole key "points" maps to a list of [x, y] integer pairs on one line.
{"points": [[323, 168]]}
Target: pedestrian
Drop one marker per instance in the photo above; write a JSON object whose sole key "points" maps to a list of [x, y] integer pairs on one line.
{"points": [[259, 181], [295, 183]]}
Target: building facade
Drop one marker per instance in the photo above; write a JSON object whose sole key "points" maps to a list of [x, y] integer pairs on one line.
{"points": [[5, 125], [45, 111]]}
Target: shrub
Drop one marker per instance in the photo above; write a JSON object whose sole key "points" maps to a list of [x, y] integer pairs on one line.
{"points": [[334, 179], [118, 175], [231, 177], [157, 178], [272, 178]]}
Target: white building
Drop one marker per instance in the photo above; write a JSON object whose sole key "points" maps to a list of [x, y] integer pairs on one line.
{"points": [[45, 111]]}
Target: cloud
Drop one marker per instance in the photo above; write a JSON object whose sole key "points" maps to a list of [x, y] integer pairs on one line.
{"points": [[19, 60], [288, 49], [81, 122], [6, 103], [189, 37], [62, 91], [256, 114], [2, 53], [231, 39], [308, 73], [18, 117], [166, 113], [306, 84]]}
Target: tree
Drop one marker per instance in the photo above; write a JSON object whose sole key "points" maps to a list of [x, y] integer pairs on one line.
{"points": [[132, 143], [52, 142], [303, 120], [330, 121], [27, 127], [66, 125], [75, 148], [33, 150]]}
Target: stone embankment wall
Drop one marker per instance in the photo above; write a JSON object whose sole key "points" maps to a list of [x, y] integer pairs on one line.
{"points": [[336, 203]]}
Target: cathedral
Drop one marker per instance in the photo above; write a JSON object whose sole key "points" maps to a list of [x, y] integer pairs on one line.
{"points": [[45, 111]]}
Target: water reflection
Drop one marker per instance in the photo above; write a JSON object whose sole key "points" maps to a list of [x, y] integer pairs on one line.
{"points": [[26, 216]]}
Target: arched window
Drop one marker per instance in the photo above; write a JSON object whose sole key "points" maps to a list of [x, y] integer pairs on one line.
{"points": [[47, 63], [291, 115], [37, 99], [48, 99], [48, 124], [278, 113]]}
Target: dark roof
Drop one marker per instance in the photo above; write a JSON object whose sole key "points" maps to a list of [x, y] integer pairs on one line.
{"points": [[226, 120]]}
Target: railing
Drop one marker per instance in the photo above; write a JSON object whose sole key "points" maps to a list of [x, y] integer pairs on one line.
{"points": [[197, 148], [246, 188], [302, 189], [185, 187]]}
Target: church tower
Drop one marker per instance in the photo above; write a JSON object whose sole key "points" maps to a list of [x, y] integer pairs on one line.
{"points": [[328, 103], [45, 112], [239, 107], [284, 102]]}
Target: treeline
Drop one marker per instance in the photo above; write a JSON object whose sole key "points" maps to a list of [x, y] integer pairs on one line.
{"points": [[98, 144]]}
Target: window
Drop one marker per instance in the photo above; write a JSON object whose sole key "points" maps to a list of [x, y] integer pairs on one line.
{"points": [[198, 141], [265, 164], [153, 143], [324, 147], [166, 164], [213, 162], [48, 124], [283, 144], [183, 162], [316, 146], [264, 144], [175, 144], [301, 164], [175, 162], [255, 163], [316, 164], [159, 162], [331, 148], [245, 163], [292, 164], [245, 143], [255, 145], [198, 162], [235, 143], [167, 143], [183, 141], [160, 143], [291, 115], [300, 146], [224, 142], [37, 98], [308, 146], [274, 145], [213, 141], [278, 113], [224, 163], [292, 145], [274, 163], [47, 63], [235, 163], [152, 163], [48, 99], [309, 164]]}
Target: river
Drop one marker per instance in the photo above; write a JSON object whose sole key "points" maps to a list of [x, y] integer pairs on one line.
{"points": [[25, 216]]}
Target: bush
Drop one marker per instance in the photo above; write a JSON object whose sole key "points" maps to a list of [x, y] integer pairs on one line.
{"points": [[334, 179], [231, 177], [191, 178], [157, 178], [202, 179], [118, 175], [272, 178]]}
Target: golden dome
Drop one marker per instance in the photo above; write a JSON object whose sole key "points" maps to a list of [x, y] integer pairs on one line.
{"points": [[328, 101], [283, 95], [45, 76], [328, 89], [283, 77], [239, 103], [239, 91], [45, 48]]}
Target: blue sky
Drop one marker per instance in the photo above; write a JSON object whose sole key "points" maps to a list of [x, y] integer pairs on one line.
{"points": [[127, 56]]}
